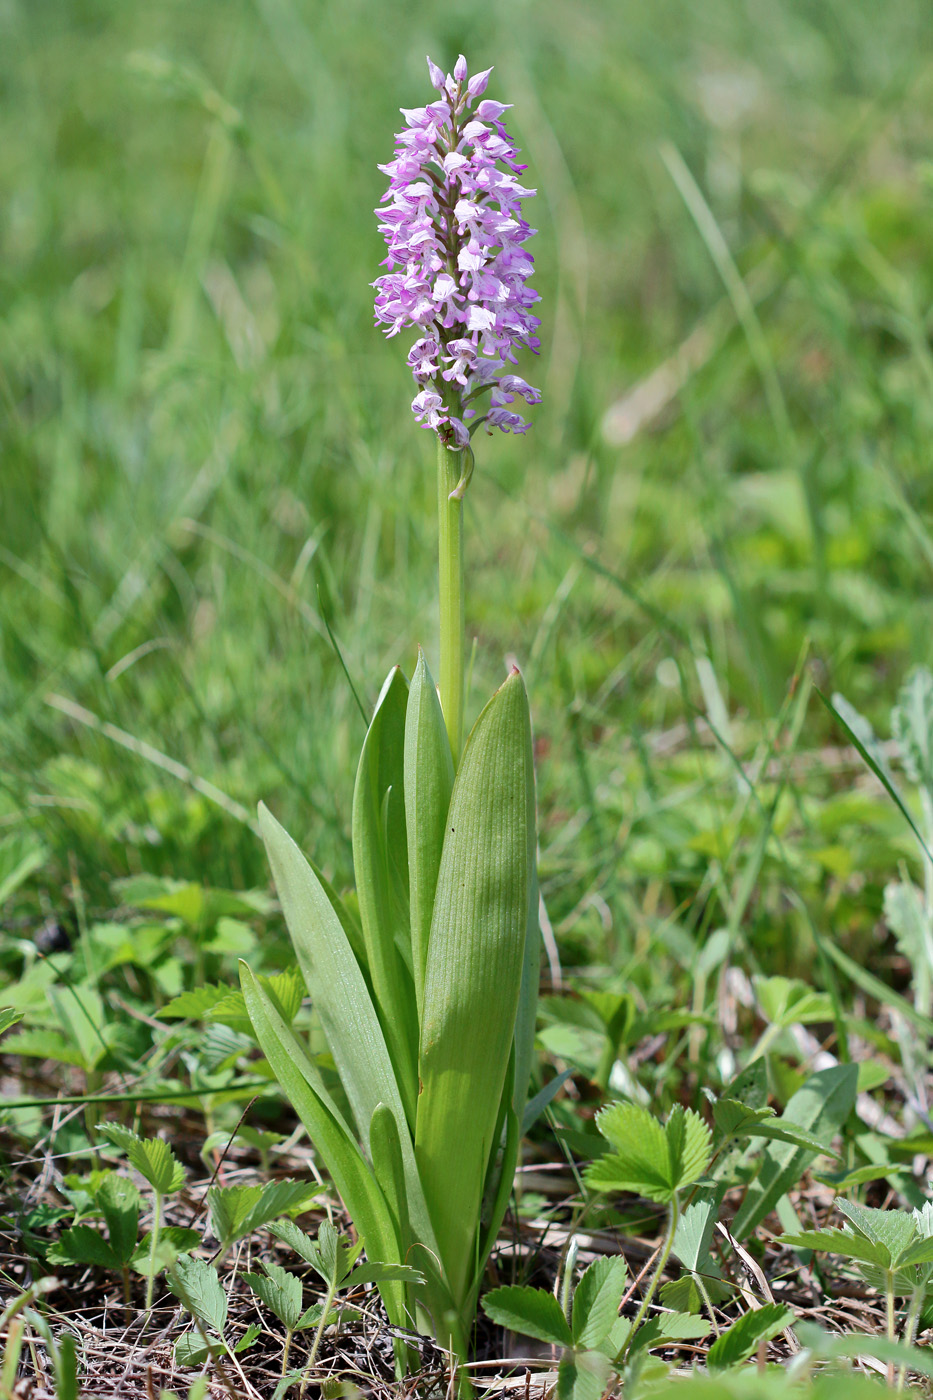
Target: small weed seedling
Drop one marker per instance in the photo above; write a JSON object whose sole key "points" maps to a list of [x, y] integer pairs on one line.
{"points": [[891, 1249], [155, 1161], [333, 1261]]}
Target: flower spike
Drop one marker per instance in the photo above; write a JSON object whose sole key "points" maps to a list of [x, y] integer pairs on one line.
{"points": [[457, 268]]}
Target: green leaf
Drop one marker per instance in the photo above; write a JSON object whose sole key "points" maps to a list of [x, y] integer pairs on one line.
{"points": [[532, 1312], [654, 1161], [82, 1244], [118, 1200], [543, 1099], [582, 1375], [820, 1107], [173, 1241], [193, 1005], [474, 971], [895, 1230], [668, 1327], [152, 1158], [8, 1018], [733, 1119], [846, 1243], [190, 1348], [280, 1291], [429, 780], [380, 864], [876, 988], [196, 1283], [784, 1001], [301, 1082], [236, 1211], [596, 1301], [381, 1273], [287, 990], [744, 1336], [353, 1030], [291, 1234]]}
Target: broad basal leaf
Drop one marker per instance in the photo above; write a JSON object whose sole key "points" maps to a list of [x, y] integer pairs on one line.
{"points": [[337, 986], [380, 864], [429, 780], [474, 971]]}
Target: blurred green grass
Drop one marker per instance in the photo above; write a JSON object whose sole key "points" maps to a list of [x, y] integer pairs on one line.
{"points": [[205, 442]]}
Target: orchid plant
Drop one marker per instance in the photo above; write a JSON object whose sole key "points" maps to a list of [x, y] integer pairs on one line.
{"points": [[428, 999]]}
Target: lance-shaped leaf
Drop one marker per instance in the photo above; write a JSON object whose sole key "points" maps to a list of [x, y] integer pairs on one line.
{"points": [[301, 1082], [334, 979], [474, 971], [429, 780], [380, 863]]}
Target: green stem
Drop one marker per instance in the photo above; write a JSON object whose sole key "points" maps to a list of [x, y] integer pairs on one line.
{"points": [[286, 1349], [891, 1312], [153, 1246], [450, 561], [316, 1344], [666, 1248]]}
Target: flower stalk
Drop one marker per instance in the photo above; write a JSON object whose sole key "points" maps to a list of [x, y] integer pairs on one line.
{"points": [[450, 577]]}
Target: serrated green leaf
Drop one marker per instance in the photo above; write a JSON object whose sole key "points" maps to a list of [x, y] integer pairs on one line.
{"points": [[197, 1284], [596, 1301], [291, 1234], [820, 1108], [247, 1339], [737, 1343], [277, 1198], [474, 971], [152, 1158], [846, 1243], [286, 989], [654, 1161], [82, 1244], [380, 864], [668, 1327], [118, 1200], [582, 1376], [280, 1291], [193, 1005], [428, 782], [532, 1312], [912, 726]]}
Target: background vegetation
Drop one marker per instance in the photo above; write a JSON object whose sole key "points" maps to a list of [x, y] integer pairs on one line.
{"points": [[208, 459]]}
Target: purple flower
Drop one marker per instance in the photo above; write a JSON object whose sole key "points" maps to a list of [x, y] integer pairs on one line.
{"points": [[457, 270]]}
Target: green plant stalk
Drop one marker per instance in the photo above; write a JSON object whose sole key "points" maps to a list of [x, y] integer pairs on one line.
{"points": [[316, 1344], [286, 1349], [666, 1248], [891, 1309], [450, 577], [910, 1328], [153, 1246]]}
